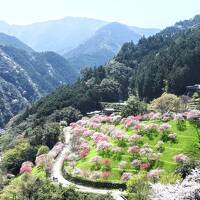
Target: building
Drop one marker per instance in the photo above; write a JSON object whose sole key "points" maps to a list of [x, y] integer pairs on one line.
{"points": [[193, 88]]}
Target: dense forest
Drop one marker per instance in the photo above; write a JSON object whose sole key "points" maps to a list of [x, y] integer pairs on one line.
{"points": [[174, 59]]}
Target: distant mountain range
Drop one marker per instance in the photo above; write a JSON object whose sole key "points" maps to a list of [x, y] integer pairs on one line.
{"points": [[102, 46], [85, 42], [57, 35], [60, 35]]}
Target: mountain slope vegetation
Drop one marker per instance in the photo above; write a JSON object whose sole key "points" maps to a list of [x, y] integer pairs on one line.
{"points": [[26, 76], [7, 40], [170, 57]]}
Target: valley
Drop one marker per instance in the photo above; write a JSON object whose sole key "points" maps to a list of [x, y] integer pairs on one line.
{"points": [[144, 83]]}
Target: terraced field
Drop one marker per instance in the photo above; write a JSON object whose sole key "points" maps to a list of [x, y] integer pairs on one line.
{"points": [[112, 150]]}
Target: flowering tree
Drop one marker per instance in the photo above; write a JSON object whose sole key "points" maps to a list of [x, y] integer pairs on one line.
{"points": [[83, 153], [120, 137], [136, 163], [154, 174], [103, 146], [99, 137], [56, 149], [105, 175], [144, 166], [126, 176], [26, 167], [134, 149], [45, 161], [188, 189], [134, 138], [181, 158]]}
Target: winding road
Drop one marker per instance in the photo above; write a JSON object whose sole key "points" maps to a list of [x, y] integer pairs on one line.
{"points": [[57, 171]]}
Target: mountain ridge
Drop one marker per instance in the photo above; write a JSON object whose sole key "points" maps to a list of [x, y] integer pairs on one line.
{"points": [[34, 35], [102, 46], [27, 76]]}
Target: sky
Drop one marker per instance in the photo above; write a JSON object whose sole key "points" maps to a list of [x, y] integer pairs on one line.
{"points": [[142, 13]]}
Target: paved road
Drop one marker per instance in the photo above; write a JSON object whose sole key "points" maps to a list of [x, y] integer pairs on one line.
{"points": [[57, 171]]}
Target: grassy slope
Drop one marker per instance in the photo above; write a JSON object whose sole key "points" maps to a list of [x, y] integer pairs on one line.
{"points": [[187, 143]]}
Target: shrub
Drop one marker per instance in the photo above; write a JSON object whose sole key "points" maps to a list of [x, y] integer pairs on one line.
{"points": [[43, 150], [13, 158], [181, 124], [166, 103], [134, 107], [138, 187], [68, 114], [170, 178], [195, 95], [186, 168]]}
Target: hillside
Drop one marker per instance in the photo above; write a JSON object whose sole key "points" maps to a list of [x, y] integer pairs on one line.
{"points": [[102, 46], [7, 40], [172, 55], [132, 148], [165, 53], [137, 69], [26, 76]]}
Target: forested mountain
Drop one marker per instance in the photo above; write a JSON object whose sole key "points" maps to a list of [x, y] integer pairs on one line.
{"points": [[102, 46], [26, 76], [7, 40], [172, 55]]}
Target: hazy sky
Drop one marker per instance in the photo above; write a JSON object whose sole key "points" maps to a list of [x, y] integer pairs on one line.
{"points": [[143, 13]]}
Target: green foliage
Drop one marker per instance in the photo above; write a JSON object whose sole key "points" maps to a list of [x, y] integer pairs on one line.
{"points": [[134, 107], [170, 178], [171, 55], [186, 168], [166, 103], [195, 95], [68, 114], [45, 135], [109, 90], [29, 187], [13, 158], [36, 75], [39, 172], [43, 150], [138, 187]]}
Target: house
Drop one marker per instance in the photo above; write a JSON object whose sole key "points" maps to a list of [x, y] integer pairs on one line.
{"points": [[193, 88]]}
